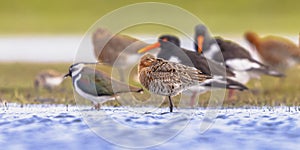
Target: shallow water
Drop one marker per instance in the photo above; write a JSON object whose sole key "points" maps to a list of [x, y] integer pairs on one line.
{"points": [[53, 127]]}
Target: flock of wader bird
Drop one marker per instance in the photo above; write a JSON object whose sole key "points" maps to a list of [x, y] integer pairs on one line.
{"points": [[214, 63]]}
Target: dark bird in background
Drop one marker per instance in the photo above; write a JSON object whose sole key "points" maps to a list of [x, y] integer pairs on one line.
{"points": [[108, 48], [170, 48], [232, 55]]}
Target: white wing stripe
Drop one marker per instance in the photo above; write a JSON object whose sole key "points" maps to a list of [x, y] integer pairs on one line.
{"points": [[241, 64]]}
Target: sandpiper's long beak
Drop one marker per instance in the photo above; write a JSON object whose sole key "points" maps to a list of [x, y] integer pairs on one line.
{"points": [[149, 47], [200, 40]]}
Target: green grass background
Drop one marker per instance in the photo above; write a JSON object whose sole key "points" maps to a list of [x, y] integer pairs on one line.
{"points": [[17, 86], [75, 17]]}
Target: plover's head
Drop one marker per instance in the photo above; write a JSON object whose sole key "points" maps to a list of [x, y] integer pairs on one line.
{"points": [[201, 34], [164, 41], [76, 68], [170, 47], [169, 38], [201, 30]]}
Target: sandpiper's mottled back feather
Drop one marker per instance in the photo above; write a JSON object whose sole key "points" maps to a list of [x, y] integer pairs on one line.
{"points": [[167, 78]]}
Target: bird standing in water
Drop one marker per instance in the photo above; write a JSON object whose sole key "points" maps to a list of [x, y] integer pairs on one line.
{"points": [[96, 85], [231, 55], [170, 48], [168, 78]]}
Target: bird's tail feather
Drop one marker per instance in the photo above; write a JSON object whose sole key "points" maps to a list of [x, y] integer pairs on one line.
{"points": [[224, 83], [136, 89], [270, 72]]}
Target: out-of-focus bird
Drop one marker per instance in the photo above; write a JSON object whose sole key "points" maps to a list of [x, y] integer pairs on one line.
{"points": [[232, 55], [168, 78], [48, 79], [96, 85], [170, 49], [299, 40], [116, 50], [275, 51]]}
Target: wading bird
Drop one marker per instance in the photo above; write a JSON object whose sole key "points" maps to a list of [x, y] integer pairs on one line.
{"points": [[167, 78], [48, 79], [96, 85], [275, 51], [231, 55], [170, 49]]}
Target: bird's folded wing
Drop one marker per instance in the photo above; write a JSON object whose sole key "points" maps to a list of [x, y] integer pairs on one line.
{"points": [[174, 72], [93, 85]]}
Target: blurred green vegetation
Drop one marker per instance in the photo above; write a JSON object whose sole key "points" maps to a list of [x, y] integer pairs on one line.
{"points": [[17, 86], [75, 17]]}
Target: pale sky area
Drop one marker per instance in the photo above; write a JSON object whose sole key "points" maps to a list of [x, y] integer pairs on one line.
{"points": [[63, 48]]}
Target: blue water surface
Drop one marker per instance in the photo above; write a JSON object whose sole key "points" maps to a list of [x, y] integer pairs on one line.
{"points": [[80, 127]]}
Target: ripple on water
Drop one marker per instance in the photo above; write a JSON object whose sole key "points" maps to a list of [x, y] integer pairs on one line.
{"points": [[64, 115], [4, 123], [234, 122], [57, 129]]}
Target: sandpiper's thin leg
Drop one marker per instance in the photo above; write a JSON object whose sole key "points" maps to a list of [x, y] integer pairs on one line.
{"points": [[171, 104]]}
